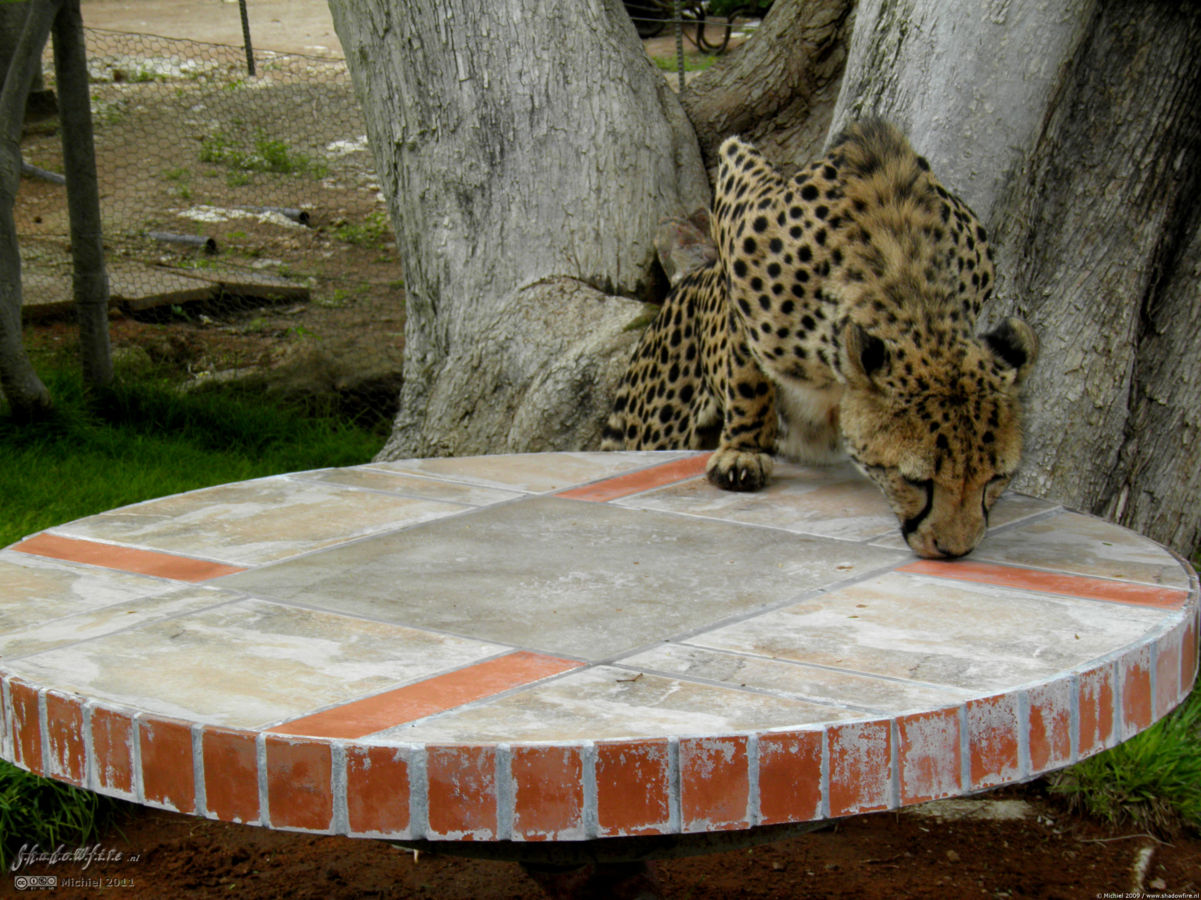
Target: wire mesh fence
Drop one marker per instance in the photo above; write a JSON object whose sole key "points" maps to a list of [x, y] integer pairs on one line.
{"points": [[245, 233]]}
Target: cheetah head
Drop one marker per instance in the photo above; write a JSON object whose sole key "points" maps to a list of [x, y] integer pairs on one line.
{"points": [[936, 423]]}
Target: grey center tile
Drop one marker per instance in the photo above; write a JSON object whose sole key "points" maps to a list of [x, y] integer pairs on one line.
{"points": [[560, 576]]}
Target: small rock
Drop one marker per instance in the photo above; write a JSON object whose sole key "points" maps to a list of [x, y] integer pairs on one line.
{"points": [[952, 856]]}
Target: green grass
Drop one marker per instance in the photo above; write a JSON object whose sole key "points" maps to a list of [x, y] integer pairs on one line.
{"points": [[1152, 782], [146, 439], [266, 155], [374, 231], [46, 813], [693, 62], [141, 440]]}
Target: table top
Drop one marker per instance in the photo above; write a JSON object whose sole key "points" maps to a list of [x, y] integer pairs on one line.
{"points": [[567, 646]]}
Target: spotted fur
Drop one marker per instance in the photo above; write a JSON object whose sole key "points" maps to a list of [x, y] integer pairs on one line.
{"points": [[839, 316]]}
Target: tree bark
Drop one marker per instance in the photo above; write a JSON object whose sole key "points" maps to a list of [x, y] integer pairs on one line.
{"points": [[1099, 243], [528, 162], [90, 279], [778, 89], [528, 152], [968, 82], [19, 383], [1073, 131]]}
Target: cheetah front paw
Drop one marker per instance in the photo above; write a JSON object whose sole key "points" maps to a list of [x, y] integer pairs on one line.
{"points": [[739, 470]]}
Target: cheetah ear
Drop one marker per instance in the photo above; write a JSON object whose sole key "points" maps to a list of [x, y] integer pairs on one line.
{"points": [[1015, 346], [863, 357]]}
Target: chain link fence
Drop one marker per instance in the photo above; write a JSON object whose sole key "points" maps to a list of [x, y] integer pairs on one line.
{"points": [[245, 233]]}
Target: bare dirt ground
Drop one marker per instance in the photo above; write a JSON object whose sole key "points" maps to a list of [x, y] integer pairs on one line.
{"points": [[1046, 854], [353, 321]]}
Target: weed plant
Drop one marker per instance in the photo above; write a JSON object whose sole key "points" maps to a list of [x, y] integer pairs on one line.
{"points": [[46, 814], [142, 439], [268, 155], [1151, 782]]}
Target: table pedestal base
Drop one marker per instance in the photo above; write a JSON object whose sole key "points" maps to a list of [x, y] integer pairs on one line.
{"points": [[616, 868]]}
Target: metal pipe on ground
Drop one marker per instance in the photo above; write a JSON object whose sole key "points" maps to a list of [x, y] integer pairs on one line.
{"points": [[42, 174], [289, 212], [199, 241]]}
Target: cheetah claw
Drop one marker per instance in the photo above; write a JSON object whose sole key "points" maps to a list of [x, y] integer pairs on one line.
{"points": [[739, 470]]}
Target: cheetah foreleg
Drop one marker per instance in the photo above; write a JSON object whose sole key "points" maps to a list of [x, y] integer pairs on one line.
{"points": [[742, 461]]}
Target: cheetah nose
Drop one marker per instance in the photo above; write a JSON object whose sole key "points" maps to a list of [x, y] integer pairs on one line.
{"points": [[944, 553], [930, 548]]}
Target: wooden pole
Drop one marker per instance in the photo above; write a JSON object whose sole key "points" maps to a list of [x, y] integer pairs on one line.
{"points": [[83, 196], [26, 394], [246, 38]]}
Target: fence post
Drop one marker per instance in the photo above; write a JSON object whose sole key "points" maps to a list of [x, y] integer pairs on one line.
{"points": [[678, 15], [246, 38], [83, 195]]}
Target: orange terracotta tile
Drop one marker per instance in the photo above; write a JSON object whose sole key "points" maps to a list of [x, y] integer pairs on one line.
{"points": [[860, 767], [168, 771], [548, 792], [231, 775], [64, 732], [1051, 582], [633, 787], [993, 726], [1137, 710], [112, 752], [299, 784], [461, 797], [928, 756], [124, 559], [27, 726], [714, 784], [1050, 726], [1167, 672], [790, 776], [1096, 711], [377, 791], [642, 480], [425, 698]]}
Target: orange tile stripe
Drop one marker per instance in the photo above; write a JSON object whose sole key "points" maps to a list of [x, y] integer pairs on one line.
{"points": [[425, 698], [124, 559], [1051, 582], [642, 480]]}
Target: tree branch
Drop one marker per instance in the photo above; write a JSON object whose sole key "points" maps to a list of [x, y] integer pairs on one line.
{"points": [[778, 89]]}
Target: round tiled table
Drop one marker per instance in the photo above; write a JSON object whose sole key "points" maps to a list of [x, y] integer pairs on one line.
{"points": [[568, 647]]}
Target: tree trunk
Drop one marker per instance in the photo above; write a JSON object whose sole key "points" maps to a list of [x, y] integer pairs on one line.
{"points": [[90, 279], [778, 89], [528, 152], [1074, 132], [12, 22], [25, 392], [1100, 244], [528, 162]]}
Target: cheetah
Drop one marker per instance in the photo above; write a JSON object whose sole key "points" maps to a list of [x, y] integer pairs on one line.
{"points": [[838, 320]]}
